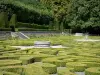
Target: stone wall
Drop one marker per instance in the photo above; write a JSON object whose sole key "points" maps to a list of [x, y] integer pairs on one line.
{"points": [[7, 34], [39, 33]]}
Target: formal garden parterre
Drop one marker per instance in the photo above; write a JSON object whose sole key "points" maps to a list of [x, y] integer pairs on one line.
{"points": [[78, 57]]}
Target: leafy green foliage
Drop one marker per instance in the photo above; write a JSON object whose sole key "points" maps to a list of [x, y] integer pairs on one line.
{"points": [[27, 11], [84, 15], [79, 15], [3, 20], [13, 20]]}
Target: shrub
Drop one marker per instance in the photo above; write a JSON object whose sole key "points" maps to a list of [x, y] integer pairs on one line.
{"points": [[92, 71], [49, 68], [36, 26], [65, 72], [39, 57], [13, 20], [33, 69], [33, 26], [78, 66], [14, 69], [9, 57], [9, 62], [26, 29], [7, 73], [91, 64], [23, 25], [26, 59], [68, 60], [3, 20], [55, 61], [5, 29]]}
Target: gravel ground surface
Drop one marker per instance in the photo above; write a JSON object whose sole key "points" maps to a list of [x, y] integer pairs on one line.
{"points": [[29, 47]]}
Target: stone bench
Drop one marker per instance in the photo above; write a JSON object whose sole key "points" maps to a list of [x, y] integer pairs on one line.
{"points": [[79, 34], [42, 44]]}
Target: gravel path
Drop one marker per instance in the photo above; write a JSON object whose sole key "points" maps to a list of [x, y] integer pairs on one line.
{"points": [[30, 47]]}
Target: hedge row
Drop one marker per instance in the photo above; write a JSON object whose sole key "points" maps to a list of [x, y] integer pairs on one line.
{"points": [[55, 61], [93, 71], [39, 57], [28, 25], [7, 73], [26, 60], [77, 66], [14, 69], [26, 29], [65, 72], [5, 29], [33, 69], [10, 62], [9, 57], [47, 67], [32, 29], [7, 48]]}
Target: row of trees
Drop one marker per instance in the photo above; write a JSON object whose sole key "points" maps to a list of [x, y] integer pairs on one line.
{"points": [[79, 15], [27, 11]]}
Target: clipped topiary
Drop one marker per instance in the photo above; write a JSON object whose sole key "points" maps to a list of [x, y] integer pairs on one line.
{"points": [[7, 73], [13, 21], [10, 62], [39, 57], [3, 20], [92, 71], [14, 69], [91, 64], [68, 60], [8, 57], [49, 68], [33, 69], [65, 72], [55, 61], [26, 60], [78, 66]]}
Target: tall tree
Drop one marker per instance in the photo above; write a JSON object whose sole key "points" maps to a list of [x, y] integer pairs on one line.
{"points": [[84, 15]]}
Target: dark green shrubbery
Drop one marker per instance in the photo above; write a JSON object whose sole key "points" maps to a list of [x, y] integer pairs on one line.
{"points": [[13, 20], [29, 25], [36, 26], [27, 11], [79, 15], [5, 29], [23, 25], [3, 20]]}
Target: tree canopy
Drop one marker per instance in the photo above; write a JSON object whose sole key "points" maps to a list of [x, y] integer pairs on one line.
{"points": [[79, 15]]}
